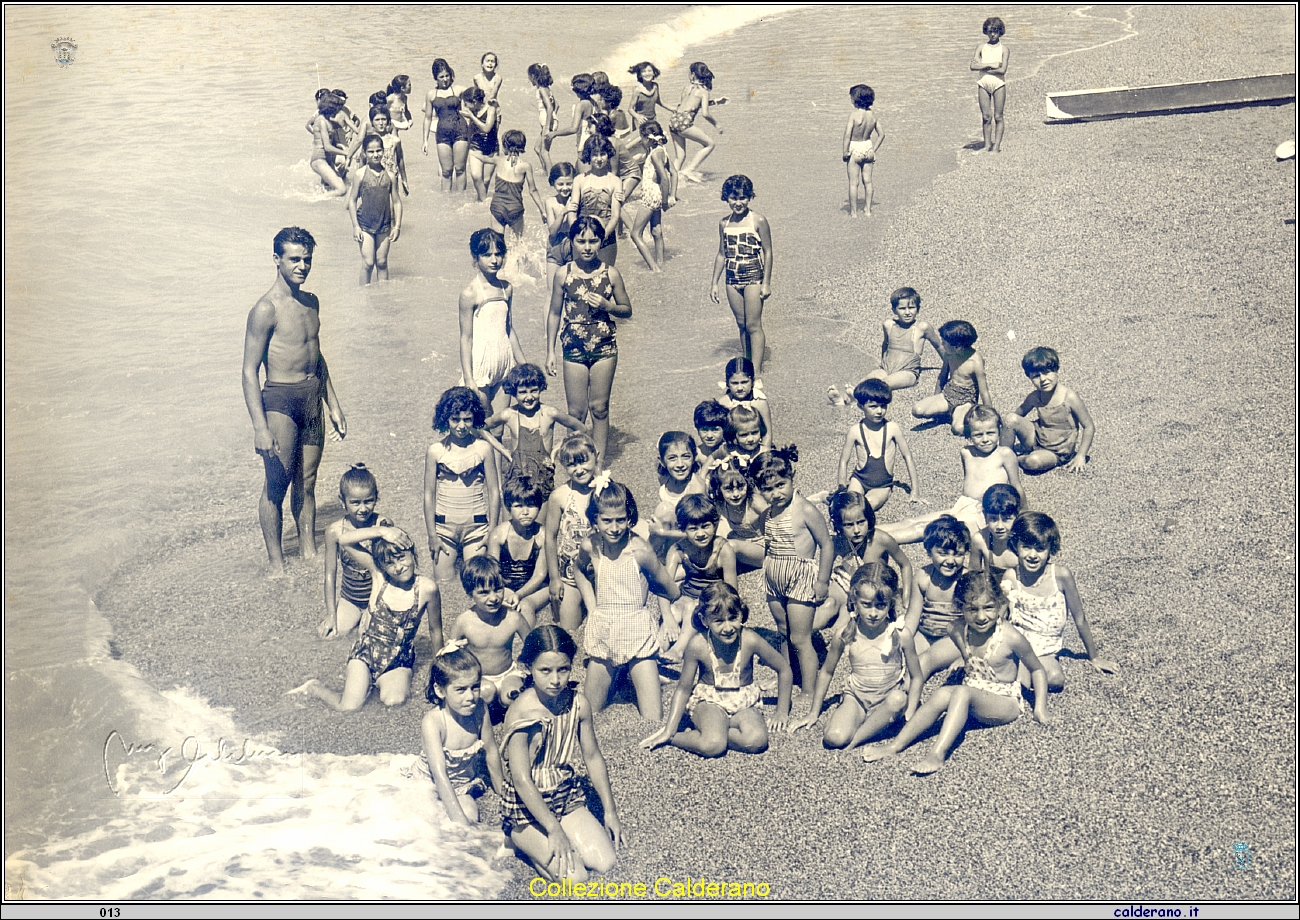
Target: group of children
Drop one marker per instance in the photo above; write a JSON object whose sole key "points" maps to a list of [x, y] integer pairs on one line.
{"points": [[529, 522]]}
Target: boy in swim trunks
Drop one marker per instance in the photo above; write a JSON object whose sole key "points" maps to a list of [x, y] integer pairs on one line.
{"points": [[859, 148], [875, 478], [283, 334], [962, 381], [1062, 433]]}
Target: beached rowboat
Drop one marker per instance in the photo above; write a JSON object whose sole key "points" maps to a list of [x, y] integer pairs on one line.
{"points": [[1206, 95]]}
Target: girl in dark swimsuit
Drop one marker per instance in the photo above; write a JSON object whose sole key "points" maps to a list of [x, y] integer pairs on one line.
{"points": [[442, 105], [519, 545], [483, 145]]}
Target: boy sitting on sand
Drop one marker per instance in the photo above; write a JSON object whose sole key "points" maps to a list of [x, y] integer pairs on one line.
{"points": [[962, 382], [1063, 430]]}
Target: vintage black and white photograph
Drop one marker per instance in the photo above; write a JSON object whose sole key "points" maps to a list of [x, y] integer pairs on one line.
{"points": [[666, 453]]}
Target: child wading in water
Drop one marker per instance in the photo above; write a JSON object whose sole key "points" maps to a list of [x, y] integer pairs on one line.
{"points": [[614, 571], [549, 739], [461, 489], [859, 148], [793, 532], [745, 262], [385, 653], [348, 547], [717, 685], [460, 751], [1062, 433], [992, 651], [559, 218], [990, 61], [489, 344], [513, 175], [490, 626], [376, 209], [879, 646]]}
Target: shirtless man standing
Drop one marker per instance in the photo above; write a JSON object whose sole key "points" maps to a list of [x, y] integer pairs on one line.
{"points": [[288, 431]]}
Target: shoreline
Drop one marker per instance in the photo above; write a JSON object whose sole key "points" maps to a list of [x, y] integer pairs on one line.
{"points": [[641, 782]]}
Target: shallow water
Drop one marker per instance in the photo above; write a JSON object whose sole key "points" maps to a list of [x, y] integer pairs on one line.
{"points": [[143, 185]]}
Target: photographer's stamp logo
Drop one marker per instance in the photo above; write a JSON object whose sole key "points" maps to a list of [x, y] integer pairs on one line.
{"points": [[1241, 854], [65, 51]]}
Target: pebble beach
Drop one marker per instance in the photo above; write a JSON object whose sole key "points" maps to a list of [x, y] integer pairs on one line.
{"points": [[1158, 256]]}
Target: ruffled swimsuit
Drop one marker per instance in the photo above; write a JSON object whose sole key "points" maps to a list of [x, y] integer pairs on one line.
{"points": [[1041, 617], [725, 691], [492, 357], [980, 675], [652, 196]]}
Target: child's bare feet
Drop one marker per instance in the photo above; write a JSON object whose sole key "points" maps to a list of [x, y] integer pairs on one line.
{"points": [[931, 764], [304, 688], [874, 752], [834, 396]]}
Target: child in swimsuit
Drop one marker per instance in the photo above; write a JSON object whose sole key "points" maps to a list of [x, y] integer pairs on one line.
{"points": [[1043, 597], [384, 654], [519, 547], [582, 85], [644, 102], [962, 381], [490, 626], [540, 76], [481, 116], [460, 752], [793, 532], [741, 511], [695, 101], [862, 139], [489, 343], [443, 106], [559, 219], [1062, 433], [461, 488], [326, 143], [549, 741], [658, 192], [396, 99], [879, 645], [513, 175], [990, 61], [615, 569], [376, 210], [992, 651], [745, 257], [599, 194], [394, 160], [903, 341], [710, 419], [585, 298], [717, 685], [348, 549], [679, 476], [990, 547], [702, 558], [858, 543], [488, 79], [531, 426], [741, 388], [932, 611], [875, 477], [566, 526]]}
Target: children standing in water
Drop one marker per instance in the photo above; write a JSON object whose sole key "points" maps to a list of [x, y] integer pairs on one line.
{"points": [[513, 175], [615, 569], [658, 193], [992, 650], [745, 255], [460, 751], [385, 652], [461, 488], [399, 92], [559, 218], [489, 344], [990, 61], [348, 547], [859, 147], [717, 685], [599, 194], [481, 116], [644, 100], [376, 210], [488, 79], [695, 101], [549, 739]]}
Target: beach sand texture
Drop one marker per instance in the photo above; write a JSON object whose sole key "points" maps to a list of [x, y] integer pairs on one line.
{"points": [[1158, 257]]}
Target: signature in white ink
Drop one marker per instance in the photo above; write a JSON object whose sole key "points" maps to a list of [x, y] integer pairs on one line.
{"points": [[190, 753]]}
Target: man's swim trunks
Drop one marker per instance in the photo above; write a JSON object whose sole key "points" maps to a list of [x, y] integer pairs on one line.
{"points": [[301, 402]]}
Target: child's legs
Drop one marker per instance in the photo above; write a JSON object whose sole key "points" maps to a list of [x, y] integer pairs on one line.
{"points": [[694, 133], [1051, 665], [831, 607], [736, 300], [912, 530], [936, 654], [536, 845], [444, 564], [799, 618], [899, 380], [880, 717], [855, 184], [934, 406], [571, 610], [459, 154], [601, 382], [329, 177], [1039, 461], [469, 805], [476, 174], [999, 102], [382, 242], [929, 713], [954, 722], [877, 497], [844, 722], [986, 114], [711, 734], [638, 239], [748, 553], [530, 606], [517, 226], [446, 162], [600, 676], [577, 386], [657, 232], [747, 731], [393, 686], [754, 325], [356, 687], [645, 678], [608, 253], [590, 839], [959, 418], [346, 617], [629, 186], [1018, 428], [367, 245], [866, 184]]}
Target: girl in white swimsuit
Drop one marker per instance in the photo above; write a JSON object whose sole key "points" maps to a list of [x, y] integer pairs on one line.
{"points": [[990, 62]]}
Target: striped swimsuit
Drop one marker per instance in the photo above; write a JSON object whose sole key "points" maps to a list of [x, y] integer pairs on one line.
{"points": [[622, 627], [789, 576], [556, 757]]}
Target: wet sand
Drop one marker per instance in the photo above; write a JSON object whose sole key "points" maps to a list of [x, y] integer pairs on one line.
{"points": [[1155, 255]]}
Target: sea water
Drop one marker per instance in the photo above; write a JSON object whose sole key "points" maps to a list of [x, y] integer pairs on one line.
{"points": [[143, 185]]}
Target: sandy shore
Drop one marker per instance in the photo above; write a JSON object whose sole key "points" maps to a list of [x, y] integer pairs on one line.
{"points": [[1157, 256]]}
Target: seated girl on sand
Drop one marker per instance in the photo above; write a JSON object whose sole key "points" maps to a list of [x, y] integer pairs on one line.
{"points": [[460, 751], [717, 685], [348, 549]]}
